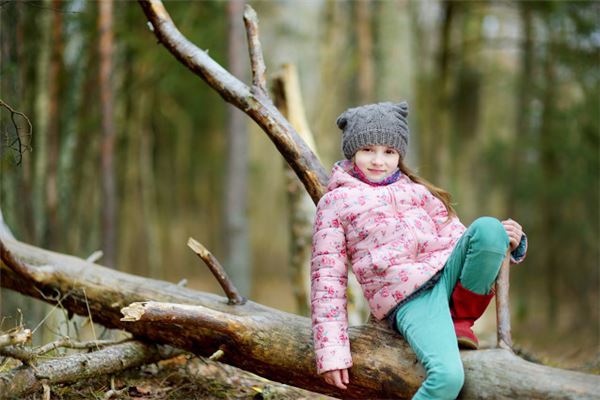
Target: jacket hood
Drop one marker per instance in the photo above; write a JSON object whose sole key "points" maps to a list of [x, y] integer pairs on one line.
{"points": [[340, 176]]}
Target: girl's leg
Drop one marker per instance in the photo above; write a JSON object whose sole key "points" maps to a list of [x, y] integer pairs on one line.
{"points": [[470, 273], [477, 257], [426, 325]]}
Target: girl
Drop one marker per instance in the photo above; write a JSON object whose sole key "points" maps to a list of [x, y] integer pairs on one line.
{"points": [[417, 264]]}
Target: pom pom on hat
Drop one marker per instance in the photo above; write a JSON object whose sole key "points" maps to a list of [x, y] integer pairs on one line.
{"points": [[382, 124]]}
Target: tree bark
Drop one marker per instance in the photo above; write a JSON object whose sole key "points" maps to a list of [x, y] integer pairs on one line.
{"points": [[271, 343]]}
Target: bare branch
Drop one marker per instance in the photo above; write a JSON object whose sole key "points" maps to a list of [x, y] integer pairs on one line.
{"points": [[257, 61], [258, 107], [218, 271], [19, 143]]}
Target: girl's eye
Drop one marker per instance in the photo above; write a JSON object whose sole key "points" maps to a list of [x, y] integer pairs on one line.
{"points": [[390, 151]]}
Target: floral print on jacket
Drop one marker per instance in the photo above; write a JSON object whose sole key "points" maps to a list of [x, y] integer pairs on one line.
{"points": [[396, 238]]}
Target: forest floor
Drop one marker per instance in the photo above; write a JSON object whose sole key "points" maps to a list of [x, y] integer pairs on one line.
{"points": [[181, 378], [187, 378]]}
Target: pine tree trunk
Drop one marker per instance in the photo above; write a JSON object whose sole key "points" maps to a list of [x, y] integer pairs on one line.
{"points": [[109, 204], [236, 242]]}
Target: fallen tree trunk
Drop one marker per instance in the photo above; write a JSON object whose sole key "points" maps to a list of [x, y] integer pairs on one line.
{"points": [[109, 360], [269, 342]]}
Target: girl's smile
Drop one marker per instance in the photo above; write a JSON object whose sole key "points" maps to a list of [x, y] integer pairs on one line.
{"points": [[377, 162]]}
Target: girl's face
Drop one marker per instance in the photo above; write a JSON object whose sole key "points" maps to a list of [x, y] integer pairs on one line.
{"points": [[377, 162]]}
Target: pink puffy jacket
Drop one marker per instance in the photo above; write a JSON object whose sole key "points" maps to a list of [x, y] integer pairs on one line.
{"points": [[396, 238]]}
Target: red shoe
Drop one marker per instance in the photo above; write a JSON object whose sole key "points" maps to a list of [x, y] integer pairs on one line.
{"points": [[465, 308]]}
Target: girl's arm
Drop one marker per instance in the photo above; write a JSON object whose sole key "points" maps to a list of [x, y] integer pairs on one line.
{"points": [[329, 277]]}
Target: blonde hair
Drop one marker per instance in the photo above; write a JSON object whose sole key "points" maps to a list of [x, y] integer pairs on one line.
{"points": [[441, 194]]}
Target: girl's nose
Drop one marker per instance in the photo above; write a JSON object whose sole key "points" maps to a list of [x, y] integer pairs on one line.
{"points": [[377, 159]]}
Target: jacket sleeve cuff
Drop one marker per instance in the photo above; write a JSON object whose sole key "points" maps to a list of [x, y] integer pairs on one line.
{"points": [[518, 255], [332, 358]]}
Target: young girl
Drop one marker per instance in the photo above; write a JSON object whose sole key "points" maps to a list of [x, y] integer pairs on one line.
{"points": [[417, 264]]}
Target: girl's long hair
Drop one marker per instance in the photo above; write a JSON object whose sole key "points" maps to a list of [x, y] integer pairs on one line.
{"points": [[441, 194]]}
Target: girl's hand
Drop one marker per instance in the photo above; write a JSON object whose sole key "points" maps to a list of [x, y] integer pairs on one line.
{"points": [[337, 377], [514, 231]]}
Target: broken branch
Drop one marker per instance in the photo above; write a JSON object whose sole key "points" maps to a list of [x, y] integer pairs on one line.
{"points": [[218, 271], [17, 336], [183, 314], [257, 61]]}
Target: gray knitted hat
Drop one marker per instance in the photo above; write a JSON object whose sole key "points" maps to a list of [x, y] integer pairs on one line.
{"points": [[382, 124]]}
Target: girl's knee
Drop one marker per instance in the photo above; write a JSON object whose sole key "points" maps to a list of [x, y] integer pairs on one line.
{"points": [[448, 382], [490, 234]]}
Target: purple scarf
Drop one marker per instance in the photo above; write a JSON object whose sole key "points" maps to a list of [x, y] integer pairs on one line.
{"points": [[358, 174]]}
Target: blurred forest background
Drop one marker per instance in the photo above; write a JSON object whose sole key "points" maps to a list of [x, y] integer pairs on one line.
{"points": [[129, 150]]}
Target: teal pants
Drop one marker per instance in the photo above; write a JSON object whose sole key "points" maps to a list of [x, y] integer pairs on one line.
{"points": [[425, 321]]}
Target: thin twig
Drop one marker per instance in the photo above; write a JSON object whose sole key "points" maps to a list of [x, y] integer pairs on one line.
{"points": [[68, 343], [257, 61], [87, 305], [17, 144], [29, 355], [58, 299], [218, 271]]}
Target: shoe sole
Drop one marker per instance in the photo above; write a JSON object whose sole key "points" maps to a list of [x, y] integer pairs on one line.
{"points": [[467, 344]]}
